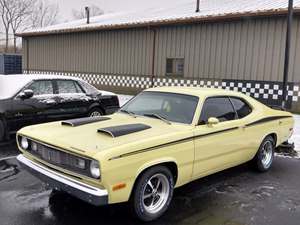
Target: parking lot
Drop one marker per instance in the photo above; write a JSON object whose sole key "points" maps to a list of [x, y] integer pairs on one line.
{"points": [[236, 196]]}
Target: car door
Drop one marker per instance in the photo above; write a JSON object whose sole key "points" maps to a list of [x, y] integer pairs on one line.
{"points": [[72, 99], [221, 145], [36, 109]]}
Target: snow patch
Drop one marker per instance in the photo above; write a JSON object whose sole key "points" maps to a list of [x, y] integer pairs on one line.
{"points": [[123, 99], [296, 135]]}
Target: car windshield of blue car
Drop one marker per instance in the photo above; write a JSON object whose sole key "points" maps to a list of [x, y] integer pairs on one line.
{"points": [[166, 106]]}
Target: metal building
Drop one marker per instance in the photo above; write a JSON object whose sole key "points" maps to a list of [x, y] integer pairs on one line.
{"points": [[233, 44]]}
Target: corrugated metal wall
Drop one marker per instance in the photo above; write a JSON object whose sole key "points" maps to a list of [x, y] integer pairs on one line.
{"points": [[246, 50], [116, 52]]}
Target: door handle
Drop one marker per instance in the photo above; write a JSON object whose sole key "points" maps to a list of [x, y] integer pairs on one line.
{"points": [[243, 127]]}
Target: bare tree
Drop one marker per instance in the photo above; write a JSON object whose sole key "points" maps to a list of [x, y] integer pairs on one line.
{"points": [[44, 14], [94, 11], [6, 20], [18, 11]]}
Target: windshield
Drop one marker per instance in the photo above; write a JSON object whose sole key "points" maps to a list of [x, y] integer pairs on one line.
{"points": [[169, 106]]}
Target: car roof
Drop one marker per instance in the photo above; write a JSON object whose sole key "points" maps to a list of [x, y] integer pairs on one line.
{"points": [[197, 91], [12, 84]]}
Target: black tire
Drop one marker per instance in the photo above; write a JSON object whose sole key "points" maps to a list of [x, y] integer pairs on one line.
{"points": [[261, 162], [2, 131], [138, 206], [95, 112]]}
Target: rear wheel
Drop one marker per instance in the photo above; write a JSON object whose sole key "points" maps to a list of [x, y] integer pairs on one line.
{"points": [[2, 131], [95, 112], [153, 193], [264, 157]]}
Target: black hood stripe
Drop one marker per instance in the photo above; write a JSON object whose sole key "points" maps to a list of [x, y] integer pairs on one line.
{"points": [[83, 121], [122, 130], [267, 119]]}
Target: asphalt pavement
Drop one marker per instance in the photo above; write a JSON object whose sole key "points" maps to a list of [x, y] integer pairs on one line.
{"points": [[238, 196]]}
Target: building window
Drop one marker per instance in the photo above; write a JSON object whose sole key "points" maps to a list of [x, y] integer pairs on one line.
{"points": [[175, 66]]}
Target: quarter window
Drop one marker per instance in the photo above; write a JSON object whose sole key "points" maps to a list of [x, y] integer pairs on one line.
{"points": [[241, 107], [68, 86], [175, 66], [219, 107], [41, 87]]}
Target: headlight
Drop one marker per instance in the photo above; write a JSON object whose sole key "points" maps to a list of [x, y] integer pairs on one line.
{"points": [[95, 169], [24, 143]]}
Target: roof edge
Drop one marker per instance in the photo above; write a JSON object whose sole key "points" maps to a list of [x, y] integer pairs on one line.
{"points": [[157, 23]]}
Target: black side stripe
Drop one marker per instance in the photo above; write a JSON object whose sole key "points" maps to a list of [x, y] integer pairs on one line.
{"points": [[267, 119], [172, 143]]}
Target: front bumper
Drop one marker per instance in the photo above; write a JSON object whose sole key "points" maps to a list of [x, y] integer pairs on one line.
{"points": [[85, 192]]}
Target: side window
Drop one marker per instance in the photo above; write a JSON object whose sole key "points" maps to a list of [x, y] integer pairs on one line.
{"points": [[41, 87], [219, 107], [241, 107], [68, 87]]}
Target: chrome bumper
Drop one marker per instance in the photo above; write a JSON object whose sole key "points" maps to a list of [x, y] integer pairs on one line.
{"points": [[85, 192]]}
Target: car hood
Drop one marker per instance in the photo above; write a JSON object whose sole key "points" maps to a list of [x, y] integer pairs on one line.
{"points": [[90, 139]]}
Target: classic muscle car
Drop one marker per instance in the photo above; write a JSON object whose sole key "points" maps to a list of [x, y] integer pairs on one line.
{"points": [[32, 99], [160, 140]]}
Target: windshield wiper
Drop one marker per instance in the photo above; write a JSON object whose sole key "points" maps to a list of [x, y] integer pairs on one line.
{"points": [[154, 115], [128, 112]]}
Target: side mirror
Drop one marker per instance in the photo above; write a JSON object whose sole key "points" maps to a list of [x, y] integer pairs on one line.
{"points": [[212, 121], [26, 94]]}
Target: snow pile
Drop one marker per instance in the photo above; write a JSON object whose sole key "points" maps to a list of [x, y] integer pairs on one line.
{"points": [[296, 135], [124, 98]]}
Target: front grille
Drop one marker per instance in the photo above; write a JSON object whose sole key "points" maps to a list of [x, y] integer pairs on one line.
{"points": [[61, 159]]}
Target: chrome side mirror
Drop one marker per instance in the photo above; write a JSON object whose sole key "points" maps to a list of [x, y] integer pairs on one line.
{"points": [[212, 121]]}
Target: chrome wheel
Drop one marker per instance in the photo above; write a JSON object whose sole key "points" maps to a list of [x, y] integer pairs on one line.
{"points": [[156, 193], [267, 154], [95, 114]]}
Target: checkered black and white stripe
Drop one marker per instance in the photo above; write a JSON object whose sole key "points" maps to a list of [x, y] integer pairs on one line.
{"points": [[264, 90]]}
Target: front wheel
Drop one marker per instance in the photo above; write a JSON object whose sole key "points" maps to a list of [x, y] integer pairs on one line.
{"points": [[153, 193], [95, 112], [264, 157]]}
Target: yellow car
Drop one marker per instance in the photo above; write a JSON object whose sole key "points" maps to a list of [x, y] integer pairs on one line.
{"points": [[160, 140]]}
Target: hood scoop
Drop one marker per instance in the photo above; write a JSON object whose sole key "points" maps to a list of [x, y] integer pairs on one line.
{"points": [[83, 121], [118, 131]]}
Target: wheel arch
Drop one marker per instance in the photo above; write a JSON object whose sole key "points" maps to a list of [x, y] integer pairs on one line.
{"points": [[273, 135], [96, 106], [170, 163]]}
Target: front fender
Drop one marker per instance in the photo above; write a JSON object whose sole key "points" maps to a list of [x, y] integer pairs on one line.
{"points": [[154, 163]]}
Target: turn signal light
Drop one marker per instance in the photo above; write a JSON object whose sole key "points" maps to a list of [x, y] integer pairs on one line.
{"points": [[119, 186]]}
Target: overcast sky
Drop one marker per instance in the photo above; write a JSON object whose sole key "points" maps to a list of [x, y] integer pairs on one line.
{"points": [[66, 6]]}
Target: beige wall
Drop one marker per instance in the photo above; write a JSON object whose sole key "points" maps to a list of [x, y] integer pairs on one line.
{"points": [[247, 50]]}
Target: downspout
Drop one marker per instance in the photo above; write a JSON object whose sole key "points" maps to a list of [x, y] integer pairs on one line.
{"points": [[287, 53], [153, 57], [27, 55]]}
